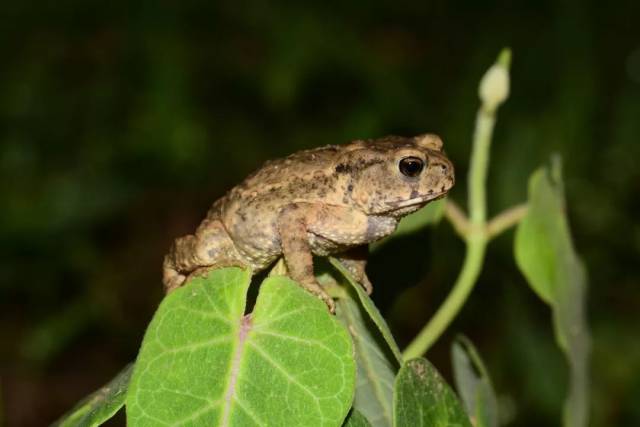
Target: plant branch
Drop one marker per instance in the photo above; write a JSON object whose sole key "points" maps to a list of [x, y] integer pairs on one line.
{"points": [[506, 219], [451, 306], [457, 218]]}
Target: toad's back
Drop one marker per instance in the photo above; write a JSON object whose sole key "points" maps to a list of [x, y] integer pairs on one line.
{"points": [[249, 211], [287, 171]]}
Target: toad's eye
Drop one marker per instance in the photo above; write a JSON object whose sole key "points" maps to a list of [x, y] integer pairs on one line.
{"points": [[411, 166]]}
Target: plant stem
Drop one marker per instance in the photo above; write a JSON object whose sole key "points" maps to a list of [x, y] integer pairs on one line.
{"points": [[504, 220], [456, 298], [477, 181], [476, 236], [457, 218]]}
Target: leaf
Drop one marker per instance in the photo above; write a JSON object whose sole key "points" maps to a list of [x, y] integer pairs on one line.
{"points": [[356, 419], [473, 384], [101, 405], [203, 362], [371, 309], [545, 254], [376, 366], [422, 398], [430, 214]]}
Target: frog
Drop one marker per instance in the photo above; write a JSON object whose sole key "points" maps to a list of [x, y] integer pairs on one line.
{"points": [[329, 201]]}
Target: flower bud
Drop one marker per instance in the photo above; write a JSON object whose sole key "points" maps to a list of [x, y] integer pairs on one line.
{"points": [[494, 86]]}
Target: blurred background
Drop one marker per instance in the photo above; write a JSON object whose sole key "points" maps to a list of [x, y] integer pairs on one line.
{"points": [[121, 122]]}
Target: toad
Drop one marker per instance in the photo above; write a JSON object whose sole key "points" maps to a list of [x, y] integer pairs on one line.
{"points": [[329, 200]]}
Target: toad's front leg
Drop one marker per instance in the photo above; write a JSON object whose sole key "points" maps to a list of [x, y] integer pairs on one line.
{"points": [[355, 261], [350, 231], [293, 229]]}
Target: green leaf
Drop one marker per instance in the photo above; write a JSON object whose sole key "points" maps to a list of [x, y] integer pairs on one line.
{"points": [[430, 214], [473, 384], [371, 309], [421, 398], [376, 366], [545, 254], [356, 419], [101, 405], [203, 362]]}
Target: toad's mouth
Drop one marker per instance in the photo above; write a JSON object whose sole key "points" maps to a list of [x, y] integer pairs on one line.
{"points": [[415, 201]]}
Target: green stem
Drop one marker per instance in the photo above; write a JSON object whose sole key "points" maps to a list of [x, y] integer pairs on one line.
{"points": [[476, 240], [477, 181], [456, 298], [476, 236], [506, 219], [457, 218]]}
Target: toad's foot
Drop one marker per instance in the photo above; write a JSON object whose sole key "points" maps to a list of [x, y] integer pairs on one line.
{"points": [[171, 277], [316, 289], [355, 261]]}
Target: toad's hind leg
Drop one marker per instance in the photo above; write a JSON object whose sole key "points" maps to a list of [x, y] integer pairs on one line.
{"points": [[209, 247]]}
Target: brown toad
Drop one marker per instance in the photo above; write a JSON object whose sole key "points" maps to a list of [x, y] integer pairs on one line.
{"points": [[329, 200]]}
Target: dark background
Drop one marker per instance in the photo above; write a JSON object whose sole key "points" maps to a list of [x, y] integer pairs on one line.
{"points": [[120, 122]]}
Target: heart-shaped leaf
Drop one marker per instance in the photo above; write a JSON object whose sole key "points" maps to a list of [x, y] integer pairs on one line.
{"points": [[204, 362], [99, 406], [473, 383], [372, 310], [356, 419], [421, 398], [376, 365], [545, 254]]}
